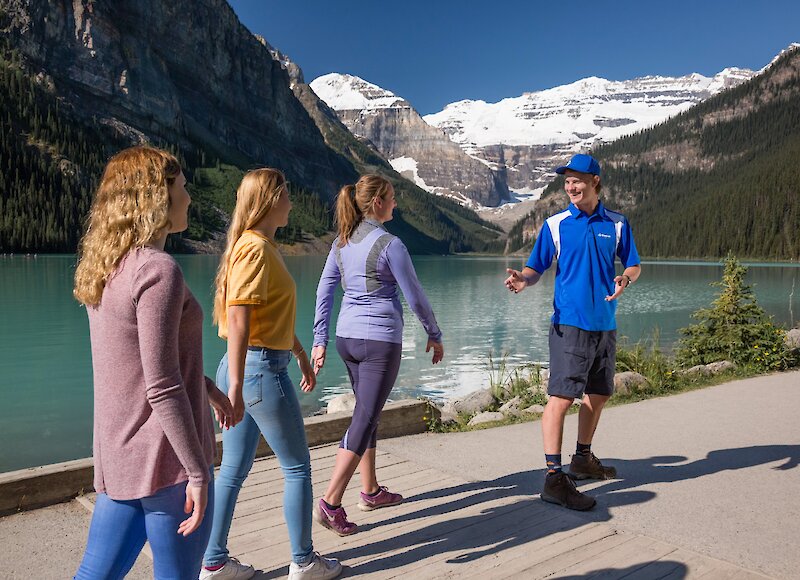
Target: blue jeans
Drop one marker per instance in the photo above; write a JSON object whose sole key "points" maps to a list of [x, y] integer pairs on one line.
{"points": [[119, 529], [271, 408]]}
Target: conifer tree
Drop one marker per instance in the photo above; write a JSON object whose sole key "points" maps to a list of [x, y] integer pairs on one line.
{"points": [[734, 328]]}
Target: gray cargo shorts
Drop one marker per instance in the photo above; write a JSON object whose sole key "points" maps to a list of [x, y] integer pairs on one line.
{"points": [[581, 361]]}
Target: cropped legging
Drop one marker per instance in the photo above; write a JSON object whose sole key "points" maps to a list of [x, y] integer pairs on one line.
{"points": [[372, 366]]}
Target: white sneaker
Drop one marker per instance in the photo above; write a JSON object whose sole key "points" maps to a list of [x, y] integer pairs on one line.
{"points": [[232, 570], [320, 568]]}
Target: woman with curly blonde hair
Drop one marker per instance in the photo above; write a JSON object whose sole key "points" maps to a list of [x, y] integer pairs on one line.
{"points": [[153, 436], [255, 306]]}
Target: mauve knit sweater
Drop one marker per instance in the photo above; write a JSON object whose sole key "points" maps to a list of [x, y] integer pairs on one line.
{"points": [[152, 422]]}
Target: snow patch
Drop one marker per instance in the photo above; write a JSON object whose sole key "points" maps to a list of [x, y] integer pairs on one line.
{"points": [[525, 194], [406, 165]]}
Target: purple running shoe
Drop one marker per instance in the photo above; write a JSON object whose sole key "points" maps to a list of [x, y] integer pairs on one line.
{"points": [[334, 520], [384, 498]]}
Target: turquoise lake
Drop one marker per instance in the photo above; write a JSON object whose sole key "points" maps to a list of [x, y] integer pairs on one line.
{"points": [[46, 384]]}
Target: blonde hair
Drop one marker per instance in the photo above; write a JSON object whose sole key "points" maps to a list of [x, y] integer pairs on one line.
{"points": [[354, 201], [130, 209], [257, 195]]}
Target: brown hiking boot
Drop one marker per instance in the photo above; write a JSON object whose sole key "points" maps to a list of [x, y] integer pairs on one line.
{"points": [[560, 489], [589, 467]]}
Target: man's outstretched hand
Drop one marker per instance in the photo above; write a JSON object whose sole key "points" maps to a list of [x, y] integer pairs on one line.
{"points": [[515, 282], [620, 283]]}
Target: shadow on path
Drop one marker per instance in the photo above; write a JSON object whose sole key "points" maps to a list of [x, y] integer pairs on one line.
{"points": [[669, 469], [281, 572], [500, 528], [472, 537], [661, 569]]}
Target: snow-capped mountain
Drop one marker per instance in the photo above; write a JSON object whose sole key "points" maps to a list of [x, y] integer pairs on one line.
{"points": [[416, 150], [351, 93], [519, 139], [530, 134], [580, 113]]}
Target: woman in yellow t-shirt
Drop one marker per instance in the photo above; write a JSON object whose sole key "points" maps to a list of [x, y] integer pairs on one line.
{"points": [[255, 307]]}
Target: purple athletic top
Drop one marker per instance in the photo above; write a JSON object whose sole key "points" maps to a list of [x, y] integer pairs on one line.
{"points": [[370, 268]]}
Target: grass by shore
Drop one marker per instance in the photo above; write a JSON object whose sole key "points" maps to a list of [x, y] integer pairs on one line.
{"points": [[661, 383]]}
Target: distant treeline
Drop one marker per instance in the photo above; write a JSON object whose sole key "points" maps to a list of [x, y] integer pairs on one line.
{"points": [[49, 165]]}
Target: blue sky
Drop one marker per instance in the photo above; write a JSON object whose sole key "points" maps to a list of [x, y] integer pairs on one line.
{"points": [[434, 52]]}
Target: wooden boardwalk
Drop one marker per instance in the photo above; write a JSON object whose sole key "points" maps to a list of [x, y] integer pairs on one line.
{"points": [[450, 527]]}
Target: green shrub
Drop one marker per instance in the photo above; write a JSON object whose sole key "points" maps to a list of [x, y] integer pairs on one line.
{"points": [[645, 357], [734, 328]]}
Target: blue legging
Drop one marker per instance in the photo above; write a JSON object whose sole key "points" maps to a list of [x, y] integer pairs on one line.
{"points": [[373, 366], [119, 529], [271, 408]]}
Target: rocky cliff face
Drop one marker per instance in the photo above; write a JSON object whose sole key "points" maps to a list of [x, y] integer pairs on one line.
{"points": [[183, 72], [421, 153]]}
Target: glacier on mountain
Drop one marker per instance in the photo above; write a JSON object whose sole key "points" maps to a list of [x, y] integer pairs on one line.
{"points": [[578, 114]]}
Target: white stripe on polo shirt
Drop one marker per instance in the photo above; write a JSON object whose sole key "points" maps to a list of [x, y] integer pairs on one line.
{"points": [[553, 223], [619, 222]]}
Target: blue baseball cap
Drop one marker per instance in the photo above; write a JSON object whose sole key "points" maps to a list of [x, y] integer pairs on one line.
{"points": [[582, 164]]}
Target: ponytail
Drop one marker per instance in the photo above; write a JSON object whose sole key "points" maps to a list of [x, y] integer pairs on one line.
{"points": [[348, 214]]}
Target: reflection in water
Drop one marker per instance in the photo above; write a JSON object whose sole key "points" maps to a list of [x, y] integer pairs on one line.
{"points": [[46, 364]]}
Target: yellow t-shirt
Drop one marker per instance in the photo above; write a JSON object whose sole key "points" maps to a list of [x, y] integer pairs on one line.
{"points": [[257, 275]]}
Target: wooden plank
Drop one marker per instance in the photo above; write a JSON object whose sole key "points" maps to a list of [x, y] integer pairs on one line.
{"points": [[622, 560], [412, 514], [548, 528], [472, 549], [591, 550], [269, 496], [450, 527], [412, 485], [430, 519], [676, 566], [326, 541], [548, 544], [414, 546]]}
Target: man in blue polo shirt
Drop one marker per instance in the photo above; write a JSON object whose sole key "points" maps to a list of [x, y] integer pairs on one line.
{"points": [[585, 240]]}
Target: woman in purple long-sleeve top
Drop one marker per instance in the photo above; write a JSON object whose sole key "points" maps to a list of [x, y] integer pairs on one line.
{"points": [[370, 263]]}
